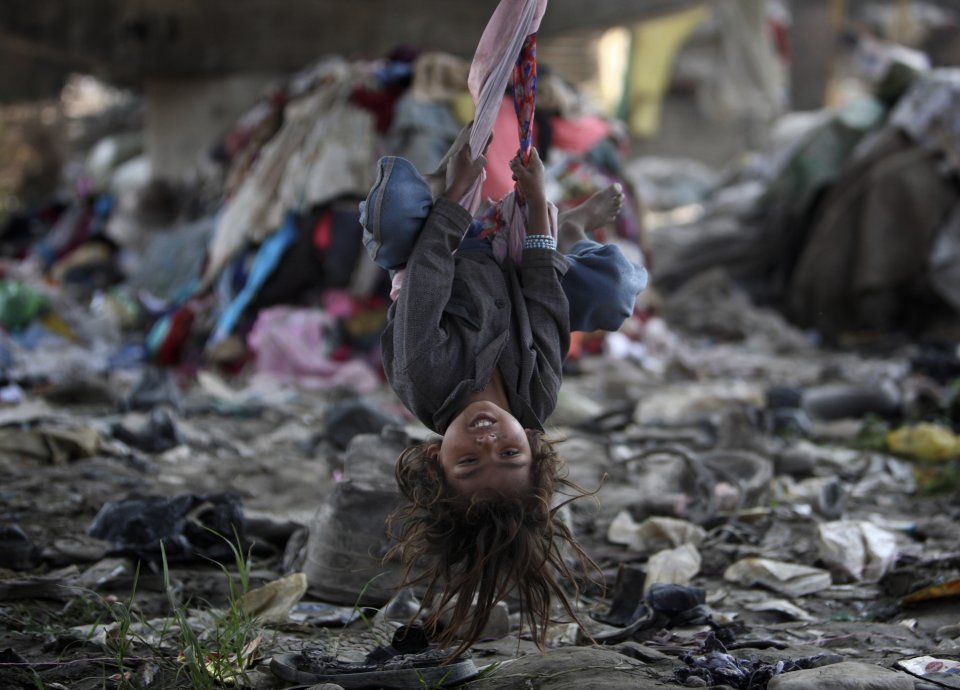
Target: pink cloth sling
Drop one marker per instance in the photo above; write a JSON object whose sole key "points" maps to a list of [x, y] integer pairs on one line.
{"points": [[499, 178], [506, 49]]}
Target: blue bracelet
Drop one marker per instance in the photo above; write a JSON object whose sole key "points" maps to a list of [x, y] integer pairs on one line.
{"points": [[539, 242]]}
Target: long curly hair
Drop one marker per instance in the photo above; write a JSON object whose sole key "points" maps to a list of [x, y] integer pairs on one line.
{"points": [[486, 545]]}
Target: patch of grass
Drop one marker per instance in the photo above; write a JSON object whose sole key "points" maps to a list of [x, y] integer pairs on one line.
{"points": [[432, 686], [88, 608], [221, 654], [872, 434], [42, 619], [371, 628], [939, 478], [201, 648], [120, 645]]}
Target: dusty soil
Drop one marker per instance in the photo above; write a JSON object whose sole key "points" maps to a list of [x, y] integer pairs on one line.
{"points": [[275, 458]]}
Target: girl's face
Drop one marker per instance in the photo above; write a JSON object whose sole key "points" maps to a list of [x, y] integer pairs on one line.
{"points": [[485, 447]]}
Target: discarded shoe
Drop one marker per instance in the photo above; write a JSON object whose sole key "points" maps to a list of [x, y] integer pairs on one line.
{"points": [[662, 606], [401, 672], [409, 661]]}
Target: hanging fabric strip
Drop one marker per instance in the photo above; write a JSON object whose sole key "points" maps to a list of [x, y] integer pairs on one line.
{"points": [[525, 93], [524, 102], [506, 49], [490, 71]]}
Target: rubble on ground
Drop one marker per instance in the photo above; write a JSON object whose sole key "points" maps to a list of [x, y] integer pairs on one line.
{"points": [[776, 500]]}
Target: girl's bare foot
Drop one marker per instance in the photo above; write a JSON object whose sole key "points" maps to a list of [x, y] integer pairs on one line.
{"points": [[601, 208]]}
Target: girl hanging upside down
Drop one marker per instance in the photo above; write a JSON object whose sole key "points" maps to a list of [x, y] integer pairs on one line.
{"points": [[474, 346]]}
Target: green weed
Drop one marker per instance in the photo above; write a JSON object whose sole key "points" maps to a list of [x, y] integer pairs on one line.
{"points": [[872, 434], [121, 643], [215, 657], [221, 654]]}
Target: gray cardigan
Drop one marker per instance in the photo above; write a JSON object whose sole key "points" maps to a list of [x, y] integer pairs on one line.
{"points": [[459, 316]]}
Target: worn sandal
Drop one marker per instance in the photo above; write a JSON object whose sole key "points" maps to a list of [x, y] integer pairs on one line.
{"points": [[404, 672]]}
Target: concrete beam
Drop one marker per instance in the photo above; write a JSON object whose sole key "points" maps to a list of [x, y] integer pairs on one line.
{"points": [[128, 40]]}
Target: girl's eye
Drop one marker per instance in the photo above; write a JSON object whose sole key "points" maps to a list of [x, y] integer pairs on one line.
{"points": [[510, 452], [466, 461]]}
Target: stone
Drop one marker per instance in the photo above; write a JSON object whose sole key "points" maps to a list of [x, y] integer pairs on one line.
{"points": [[572, 668], [847, 675], [640, 652], [17, 551]]}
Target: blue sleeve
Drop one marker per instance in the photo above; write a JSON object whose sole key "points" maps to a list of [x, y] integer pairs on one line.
{"points": [[601, 286]]}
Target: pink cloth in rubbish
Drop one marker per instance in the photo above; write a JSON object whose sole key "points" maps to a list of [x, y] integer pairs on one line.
{"points": [[291, 346], [579, 135], [338, 303]]}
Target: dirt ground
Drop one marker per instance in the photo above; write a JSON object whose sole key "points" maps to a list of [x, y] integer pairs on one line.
{"points": [[64, 619]]}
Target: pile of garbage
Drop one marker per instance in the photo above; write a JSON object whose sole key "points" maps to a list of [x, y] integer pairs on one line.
{"points": [[848, 223], [191, 396], [260, 265]]}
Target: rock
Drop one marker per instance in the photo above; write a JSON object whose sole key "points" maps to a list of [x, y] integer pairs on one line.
{"points": [[370, 458], [948, 631], [349, 418], [573, 408], [695, 682], [586, 459], [843, 401], [17, 551], [572, 668], [640, 652], [343, 555], [76, 548], [847, 675]]}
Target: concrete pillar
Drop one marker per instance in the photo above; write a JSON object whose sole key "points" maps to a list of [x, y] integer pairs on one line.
{"points": [[186, 116], [813, 40]]}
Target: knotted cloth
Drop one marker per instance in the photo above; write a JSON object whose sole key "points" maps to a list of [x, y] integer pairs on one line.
{"points": [[507, 49]]}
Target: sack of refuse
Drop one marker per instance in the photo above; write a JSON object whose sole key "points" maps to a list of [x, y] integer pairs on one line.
{"points": [[348, 538]]}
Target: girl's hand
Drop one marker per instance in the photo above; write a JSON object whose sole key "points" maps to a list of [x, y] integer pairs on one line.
{"points": [[463, 171], [530, 177], [530, 182]]}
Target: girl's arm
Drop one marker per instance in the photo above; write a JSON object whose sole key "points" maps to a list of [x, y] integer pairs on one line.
{"points": [[416, 315], [428, 282], [547, 307], [542, 270]]}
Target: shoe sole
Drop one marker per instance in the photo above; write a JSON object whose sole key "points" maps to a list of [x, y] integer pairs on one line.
{"points": [[284, 666]]}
